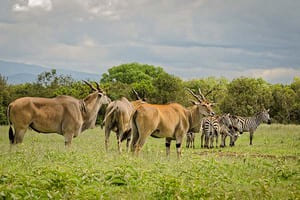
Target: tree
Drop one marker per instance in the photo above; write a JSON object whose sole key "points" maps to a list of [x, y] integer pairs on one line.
{"points": [[131, 73], [168, 88], [247, 96], [4, 99], [214, 89], [283, 102], [50, 83], [121, 79], [295, 110]]}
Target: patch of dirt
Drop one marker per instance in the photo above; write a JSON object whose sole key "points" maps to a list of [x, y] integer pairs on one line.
{"points": [[238, 154]]}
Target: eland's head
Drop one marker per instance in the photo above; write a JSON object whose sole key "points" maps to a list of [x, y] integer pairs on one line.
{"points": [[204, 106], [98, 93]]}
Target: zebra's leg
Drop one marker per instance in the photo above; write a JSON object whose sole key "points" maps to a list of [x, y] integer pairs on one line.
{"points": [[225, 140], [217, 138], [202, 135], [231, 143], [222, 140], [212, 141], [206, 141], [251, 137]]}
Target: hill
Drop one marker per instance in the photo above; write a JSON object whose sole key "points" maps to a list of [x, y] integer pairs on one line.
{"points": [[17, 73]]}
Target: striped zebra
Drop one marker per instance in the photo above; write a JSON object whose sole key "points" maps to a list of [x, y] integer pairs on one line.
{"points": [[207, 131], [224, 127], [250, 124], [214, 126], [233, 131]]}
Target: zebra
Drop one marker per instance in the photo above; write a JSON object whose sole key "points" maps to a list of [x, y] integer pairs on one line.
{"points": [[207, 131], [250, 124], [190, 139], [222, 125], [233, 130]]}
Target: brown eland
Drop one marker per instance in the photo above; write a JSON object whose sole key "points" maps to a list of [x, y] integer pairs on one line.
{"points": [[117, 119], [171, 121], [64, 115]]}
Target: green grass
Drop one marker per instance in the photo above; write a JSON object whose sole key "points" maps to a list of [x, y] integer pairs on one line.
{"points": [[41, 168]]}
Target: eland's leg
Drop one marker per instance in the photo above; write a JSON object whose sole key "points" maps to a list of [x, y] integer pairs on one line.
{"points": [[107, 134], [119, 135], [193, 142], [179, 137], [168, 144], [135, 137], [140, 143], [128, 142], [19, 135], [68, 139]]}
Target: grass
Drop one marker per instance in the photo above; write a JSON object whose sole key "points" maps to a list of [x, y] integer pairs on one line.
{"points": [[41, 168]]}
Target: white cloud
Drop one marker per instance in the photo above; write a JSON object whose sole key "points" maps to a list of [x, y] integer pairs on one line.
{"points": [[43, 4], [88, 42], [18, 8], [280, 74]]}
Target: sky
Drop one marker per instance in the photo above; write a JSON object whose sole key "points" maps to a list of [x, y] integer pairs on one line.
{"points": [[188, 38]]}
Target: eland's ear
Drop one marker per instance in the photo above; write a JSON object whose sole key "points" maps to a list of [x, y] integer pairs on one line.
{"points": [[268, 110]]}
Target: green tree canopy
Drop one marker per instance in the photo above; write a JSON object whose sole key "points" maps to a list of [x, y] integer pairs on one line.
{"points": [[247, 96], [131, 73]]}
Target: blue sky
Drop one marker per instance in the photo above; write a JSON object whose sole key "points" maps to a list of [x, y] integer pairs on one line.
{"points": [[191, 39]]}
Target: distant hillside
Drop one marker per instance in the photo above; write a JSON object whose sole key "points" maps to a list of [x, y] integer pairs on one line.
{"points": [[21, 73]]}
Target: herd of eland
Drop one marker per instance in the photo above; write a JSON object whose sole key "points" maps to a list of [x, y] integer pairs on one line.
{"points": [[133, 121]]}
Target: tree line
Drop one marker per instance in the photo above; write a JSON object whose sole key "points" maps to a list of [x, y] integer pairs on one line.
{"points": [[242, 96]]}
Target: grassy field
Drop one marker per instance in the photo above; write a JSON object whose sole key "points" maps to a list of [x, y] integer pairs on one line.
{"points": [[41, 168]]}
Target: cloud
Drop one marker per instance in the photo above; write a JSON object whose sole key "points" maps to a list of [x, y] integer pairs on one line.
{"points": [[275, 75], [42, 4]]}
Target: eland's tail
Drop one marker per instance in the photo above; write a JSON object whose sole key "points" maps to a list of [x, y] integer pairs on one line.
{"points": [[10, 132], [108, 115]]}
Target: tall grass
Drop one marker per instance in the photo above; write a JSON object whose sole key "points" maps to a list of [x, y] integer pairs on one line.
{"points": [[41, 168]]}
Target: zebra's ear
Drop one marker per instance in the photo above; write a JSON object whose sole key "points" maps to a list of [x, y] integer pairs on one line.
{"points": [[268, 110]]}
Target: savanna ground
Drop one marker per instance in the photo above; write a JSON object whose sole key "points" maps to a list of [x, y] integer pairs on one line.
{"points": [[41, 168]]}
